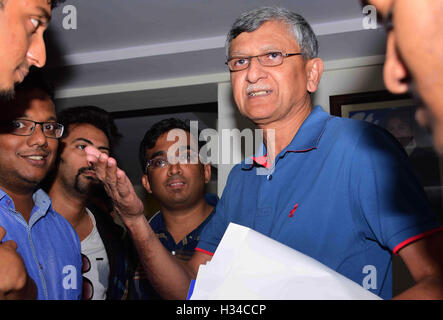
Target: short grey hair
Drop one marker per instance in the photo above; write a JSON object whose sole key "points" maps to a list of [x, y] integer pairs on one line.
{"points": [[253, 19]]}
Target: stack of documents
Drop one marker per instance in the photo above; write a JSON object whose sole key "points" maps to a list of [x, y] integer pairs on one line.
{"points": [[250, 266]]}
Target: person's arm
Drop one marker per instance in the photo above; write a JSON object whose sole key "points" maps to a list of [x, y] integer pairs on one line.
{"points": [[424, 260], [15, 283], [169, 277]]}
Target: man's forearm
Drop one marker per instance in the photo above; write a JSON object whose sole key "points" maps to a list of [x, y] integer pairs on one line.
{"points": [[169, 277], [430, 288]]}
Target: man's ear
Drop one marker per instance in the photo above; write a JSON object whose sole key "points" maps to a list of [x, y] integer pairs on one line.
{"points": [[145, 183], [314, 71], [395, 73], [207, 172]]}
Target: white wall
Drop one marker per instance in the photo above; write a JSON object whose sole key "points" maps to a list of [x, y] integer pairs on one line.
{"points": [[349, 76]]}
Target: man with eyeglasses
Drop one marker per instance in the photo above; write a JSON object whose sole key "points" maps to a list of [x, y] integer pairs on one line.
{"points": [[47, 246], [179, 187], [338, 190], [22, 24]]}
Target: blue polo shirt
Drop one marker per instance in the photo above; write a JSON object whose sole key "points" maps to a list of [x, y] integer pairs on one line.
{"points": [[341, 192], [185, 248], [49, 246]]}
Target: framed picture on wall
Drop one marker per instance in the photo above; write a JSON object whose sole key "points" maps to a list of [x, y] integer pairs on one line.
{"points": [[396, 113]]}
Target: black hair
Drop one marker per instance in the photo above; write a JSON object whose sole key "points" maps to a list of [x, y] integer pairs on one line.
{"points": [[92, 115], [36, 79], [156, 130], [54, 3]]}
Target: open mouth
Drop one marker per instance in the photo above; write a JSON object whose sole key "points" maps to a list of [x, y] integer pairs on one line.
{"points": [[37, 160], [259, 93], [176, 184]]}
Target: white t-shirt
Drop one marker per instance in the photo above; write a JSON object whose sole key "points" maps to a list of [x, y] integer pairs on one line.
{"points": [[97, 271]]}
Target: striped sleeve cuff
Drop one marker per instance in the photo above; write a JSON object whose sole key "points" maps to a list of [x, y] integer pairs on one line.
{"points": [[204, 251], [403, 244]]}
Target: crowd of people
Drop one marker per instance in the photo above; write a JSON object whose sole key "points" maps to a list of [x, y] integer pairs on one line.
{"points": [[72, 226]]}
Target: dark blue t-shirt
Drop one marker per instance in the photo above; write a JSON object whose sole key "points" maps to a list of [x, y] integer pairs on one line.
{"points": [[342, 192], [186, 247]]}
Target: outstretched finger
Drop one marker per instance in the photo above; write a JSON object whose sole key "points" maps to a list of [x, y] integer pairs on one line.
{"points": [[111, 174], [100, 167], [124, 185], [92, 154]]}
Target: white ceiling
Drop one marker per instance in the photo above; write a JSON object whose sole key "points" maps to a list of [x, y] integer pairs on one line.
{"points": [[138, 54]]}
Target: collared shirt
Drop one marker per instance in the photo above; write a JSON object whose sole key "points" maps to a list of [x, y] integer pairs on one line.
{"points": [[341, 192], [185, 248], [49, 246]]}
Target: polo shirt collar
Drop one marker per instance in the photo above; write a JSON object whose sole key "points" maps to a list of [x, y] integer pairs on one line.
{"points": [[306, 139]]}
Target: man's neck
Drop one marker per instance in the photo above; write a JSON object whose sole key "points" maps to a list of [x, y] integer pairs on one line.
{"points": [[68, 203], [278, 135], [181, 222], [22, 198]]}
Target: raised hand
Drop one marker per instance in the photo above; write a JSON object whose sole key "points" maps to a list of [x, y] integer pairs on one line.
{"points": [[116, 183]]}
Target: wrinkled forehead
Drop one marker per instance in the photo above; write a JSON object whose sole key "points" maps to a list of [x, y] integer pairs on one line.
{"points": [[271, 35]]}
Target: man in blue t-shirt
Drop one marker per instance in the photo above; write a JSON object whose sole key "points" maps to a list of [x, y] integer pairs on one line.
{"points": [[179, 187], [338, 190], [177, 180], [47, 244]]}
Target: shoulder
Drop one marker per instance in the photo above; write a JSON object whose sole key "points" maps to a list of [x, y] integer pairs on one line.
{"points": [[350, 127], [364, 135]]}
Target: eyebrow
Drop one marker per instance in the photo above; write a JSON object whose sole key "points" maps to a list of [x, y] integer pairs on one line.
{"points": [[27, 117], [44, 14], [266, 49], [158, 153]]}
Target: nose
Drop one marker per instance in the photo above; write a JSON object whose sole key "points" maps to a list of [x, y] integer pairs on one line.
{"points": [[395, 73], [174, 168], [255, 71], [36, 54], [37, 137]]}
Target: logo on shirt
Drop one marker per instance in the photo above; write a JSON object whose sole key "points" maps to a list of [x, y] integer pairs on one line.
{"points": [[291, 214]]}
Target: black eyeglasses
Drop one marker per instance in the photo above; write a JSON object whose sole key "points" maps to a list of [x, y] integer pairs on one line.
{"points": [[269, 59], [24, 127]]}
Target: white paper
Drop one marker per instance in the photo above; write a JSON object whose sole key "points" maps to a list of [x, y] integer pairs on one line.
{"points": [[249, 265]]}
